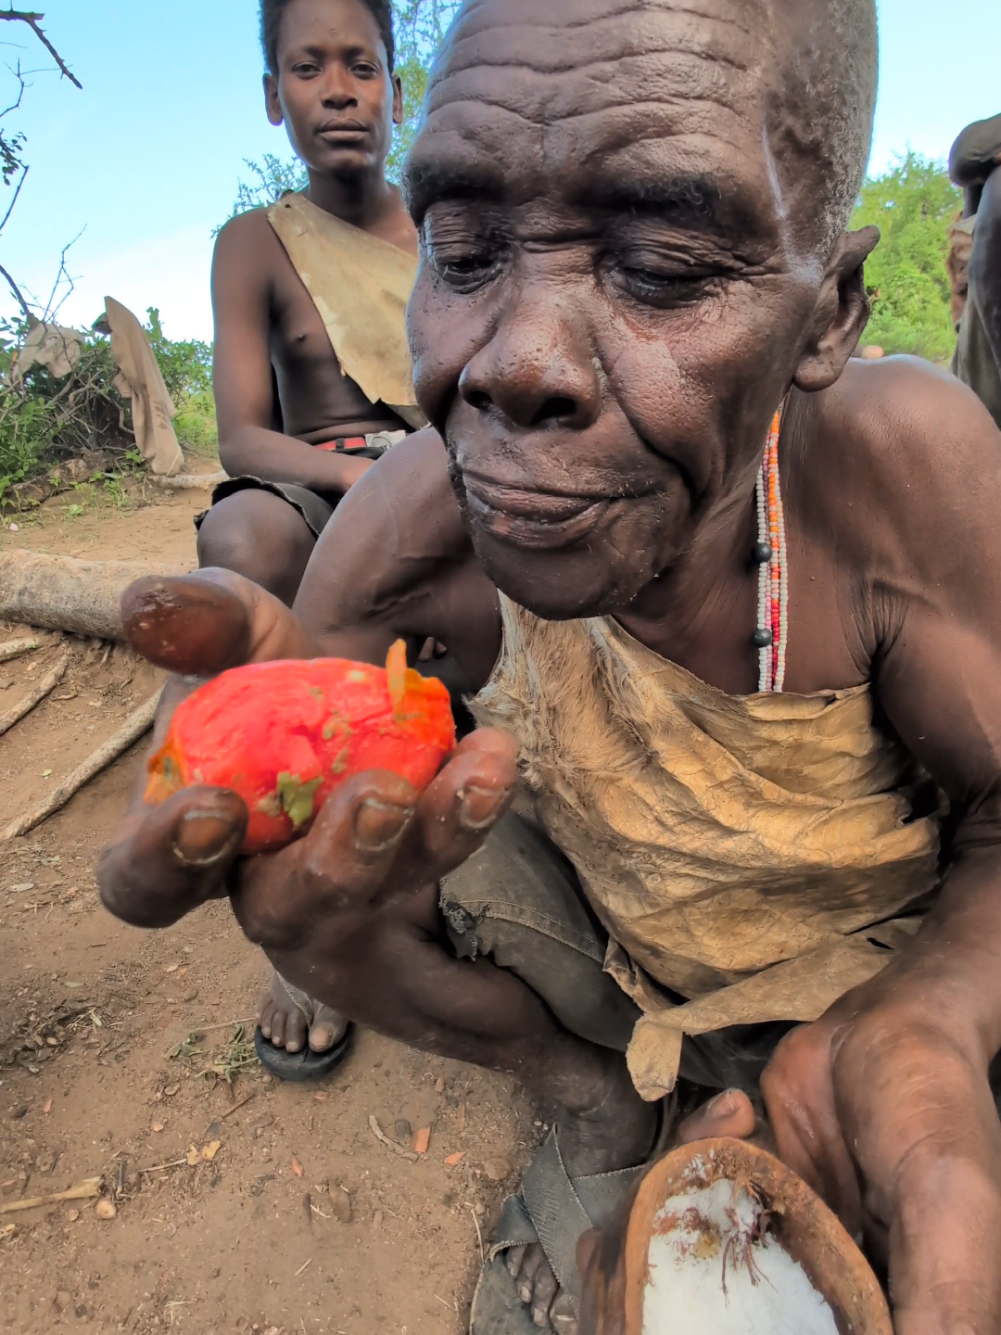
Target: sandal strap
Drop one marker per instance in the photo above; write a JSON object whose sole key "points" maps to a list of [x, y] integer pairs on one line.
{"points": [[556, 1212]]}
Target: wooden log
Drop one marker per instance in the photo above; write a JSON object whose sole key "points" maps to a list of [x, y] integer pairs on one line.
{"points": [[137, 723], [37, 693], [189, 481], [61, 593]]}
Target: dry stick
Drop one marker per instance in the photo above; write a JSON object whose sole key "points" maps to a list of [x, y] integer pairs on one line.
{"points": [[15, 648], [81, 1192], [159, 1168], [42, 688], [189, 481], [137, 723], [380, 1135]]}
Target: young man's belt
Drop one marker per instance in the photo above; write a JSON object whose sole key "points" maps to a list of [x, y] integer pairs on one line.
{"points": [[379, 441]]}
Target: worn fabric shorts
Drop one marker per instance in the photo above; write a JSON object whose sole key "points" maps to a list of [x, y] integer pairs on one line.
{"points": [[316, 508], [519, 902]]}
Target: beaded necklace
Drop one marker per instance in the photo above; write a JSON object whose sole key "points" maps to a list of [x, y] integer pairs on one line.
{"points": [[773, 574]]}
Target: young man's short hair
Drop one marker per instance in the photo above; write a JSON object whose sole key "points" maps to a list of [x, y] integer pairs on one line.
{"points": [[271, 21]]}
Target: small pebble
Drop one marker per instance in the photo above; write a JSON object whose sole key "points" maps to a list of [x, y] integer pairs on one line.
{"points": [[72, 1215], [105, 1209], [377, 1219], [157, 1127], [404, 1131], [497, 1169], [341, 1203]]}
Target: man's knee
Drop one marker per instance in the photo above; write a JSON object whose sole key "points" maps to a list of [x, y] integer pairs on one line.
{"points": [[254, 533]]}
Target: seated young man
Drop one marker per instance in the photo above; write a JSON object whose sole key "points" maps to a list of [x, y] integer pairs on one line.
{"points": [[310, 348], [723, 600]]}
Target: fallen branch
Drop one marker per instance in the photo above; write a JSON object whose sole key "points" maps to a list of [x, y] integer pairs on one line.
{"points": [[380, 1135], [41, 689], [60, 593], [137, 723], [188, 481], [15, 648], [160, 1167], [83, 1191]]}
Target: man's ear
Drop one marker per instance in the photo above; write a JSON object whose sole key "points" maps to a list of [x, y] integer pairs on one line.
{"points": [[841, 313], [397, 100], [272, 101]]}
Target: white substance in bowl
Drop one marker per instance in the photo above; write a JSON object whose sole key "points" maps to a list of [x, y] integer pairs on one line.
{"points": [[714, 1274]]}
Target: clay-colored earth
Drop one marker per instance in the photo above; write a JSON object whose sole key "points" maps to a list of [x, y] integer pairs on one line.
{"points": [[300, 1222]]}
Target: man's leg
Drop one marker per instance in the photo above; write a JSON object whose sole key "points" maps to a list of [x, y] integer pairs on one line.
{"points": [[260, 535]]}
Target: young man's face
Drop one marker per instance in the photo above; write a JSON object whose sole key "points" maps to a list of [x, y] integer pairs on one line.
{"points": [[334, 90], [618, 277]]}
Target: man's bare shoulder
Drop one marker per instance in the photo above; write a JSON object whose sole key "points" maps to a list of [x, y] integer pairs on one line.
{"points": [[901, 451], [248, 242]]}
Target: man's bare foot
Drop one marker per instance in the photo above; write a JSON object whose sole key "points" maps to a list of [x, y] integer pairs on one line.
{"points": [[289, 1025], [617, 1132]]}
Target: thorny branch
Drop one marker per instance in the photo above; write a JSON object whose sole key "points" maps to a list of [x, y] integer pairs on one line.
{"points": [[19, 295], [33, 21]]}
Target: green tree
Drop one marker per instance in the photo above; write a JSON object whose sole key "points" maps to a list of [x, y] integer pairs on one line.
{"points": [[912, 204]]}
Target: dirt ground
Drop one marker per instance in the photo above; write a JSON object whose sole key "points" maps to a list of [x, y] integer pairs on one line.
{"points": [[237, 1203]]}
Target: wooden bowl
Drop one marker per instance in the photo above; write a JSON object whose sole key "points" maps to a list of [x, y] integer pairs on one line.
{"points": [[618, 1275]]}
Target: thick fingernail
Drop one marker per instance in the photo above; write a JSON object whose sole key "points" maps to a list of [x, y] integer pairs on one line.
{"points": [[478, 807], [379, 824], [203, 839]]}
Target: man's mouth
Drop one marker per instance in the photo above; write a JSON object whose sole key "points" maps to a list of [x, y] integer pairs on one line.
{"points": [[532, 518], [342, 132]]}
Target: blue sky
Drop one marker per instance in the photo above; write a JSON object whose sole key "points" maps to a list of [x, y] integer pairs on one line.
{"points": [[148, 156]]}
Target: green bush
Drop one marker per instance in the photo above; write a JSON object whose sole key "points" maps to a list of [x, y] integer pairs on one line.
{"points": [[906, 276]]}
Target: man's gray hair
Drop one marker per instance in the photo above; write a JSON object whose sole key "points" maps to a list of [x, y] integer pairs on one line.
{"points": [[833, 77]]}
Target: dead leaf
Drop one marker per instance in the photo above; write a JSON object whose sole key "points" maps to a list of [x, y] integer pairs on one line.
{"points": [[47, 1106], [157, 1127], [497, 1169], [210, 1150], [171, 968], [72, 1215], [105, 1209], [7, 1231], [320, 1096], [422, 1139], [296, 1166], [193, 1156], [453, 1159]]}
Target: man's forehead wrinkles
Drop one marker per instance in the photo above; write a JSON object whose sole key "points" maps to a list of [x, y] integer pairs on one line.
{"points": [[665, 79]]}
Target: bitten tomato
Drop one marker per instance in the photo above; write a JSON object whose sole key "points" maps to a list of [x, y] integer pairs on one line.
{"points": [[284, 735]]}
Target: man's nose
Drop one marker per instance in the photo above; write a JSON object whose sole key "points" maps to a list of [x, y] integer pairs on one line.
{"points": [[338, 91], [539, 368]]}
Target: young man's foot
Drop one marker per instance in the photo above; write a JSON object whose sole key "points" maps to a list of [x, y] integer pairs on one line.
{"points": [[290, 1020], [618, 1131]]}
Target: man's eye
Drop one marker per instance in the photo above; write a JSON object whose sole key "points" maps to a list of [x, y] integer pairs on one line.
{"points": [[467, 270], [364, 70], [660, 278], [305, 69]]}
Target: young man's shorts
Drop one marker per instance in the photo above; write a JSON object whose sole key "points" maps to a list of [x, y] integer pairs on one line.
{"points": [[316, 508]]}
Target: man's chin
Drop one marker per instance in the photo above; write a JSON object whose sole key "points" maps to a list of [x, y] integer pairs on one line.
{"points": [[561, 585]]}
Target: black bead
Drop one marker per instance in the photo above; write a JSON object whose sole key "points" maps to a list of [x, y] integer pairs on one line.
{"points": [[762, 553], [762, 638]]}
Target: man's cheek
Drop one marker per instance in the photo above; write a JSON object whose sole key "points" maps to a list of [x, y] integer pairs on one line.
{"points": [[445, 332]]}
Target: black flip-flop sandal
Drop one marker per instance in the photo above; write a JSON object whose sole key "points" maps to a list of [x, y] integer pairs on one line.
{"points": [[296, 1067]]}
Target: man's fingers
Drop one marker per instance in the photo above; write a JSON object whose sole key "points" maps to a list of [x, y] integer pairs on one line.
{"points": [[204, 623], [728, 1114], [464, 803], [169, 859]]}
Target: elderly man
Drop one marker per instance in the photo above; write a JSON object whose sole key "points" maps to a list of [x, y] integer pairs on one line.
{"points": [[721, 599]]}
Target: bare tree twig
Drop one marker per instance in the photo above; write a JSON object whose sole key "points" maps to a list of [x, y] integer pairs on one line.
{"points": [[15, 106], [19, 295], [20, 185], [34, 21]]}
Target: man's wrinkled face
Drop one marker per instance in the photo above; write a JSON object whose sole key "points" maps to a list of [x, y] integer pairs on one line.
{"points": [[615, 284]]}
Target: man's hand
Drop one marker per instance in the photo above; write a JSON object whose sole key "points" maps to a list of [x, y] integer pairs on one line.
{"points": [[377, 840]]}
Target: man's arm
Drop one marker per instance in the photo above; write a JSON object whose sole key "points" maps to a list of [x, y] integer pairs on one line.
{"points": [[985, 260], [242, 301], [884, 1104]]}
